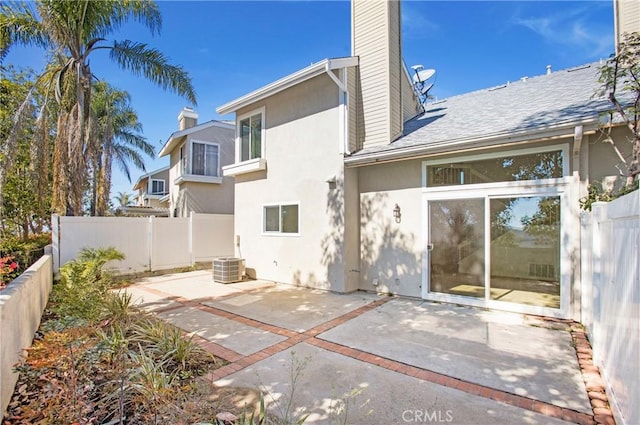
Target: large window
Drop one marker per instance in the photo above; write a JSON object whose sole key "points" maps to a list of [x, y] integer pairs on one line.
{"points": [[157, 187], [505, 167], [281, 219], [205, 159], [250, 134]]}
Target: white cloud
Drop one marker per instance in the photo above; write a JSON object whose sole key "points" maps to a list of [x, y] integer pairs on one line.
{"points": [[414, 23], [571, 29]]}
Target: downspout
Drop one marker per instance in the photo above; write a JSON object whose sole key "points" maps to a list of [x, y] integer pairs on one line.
{"points": [[344, 102]]}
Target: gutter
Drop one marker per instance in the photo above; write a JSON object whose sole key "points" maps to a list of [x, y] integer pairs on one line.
{"points": [[494, 140], [290, 80]]}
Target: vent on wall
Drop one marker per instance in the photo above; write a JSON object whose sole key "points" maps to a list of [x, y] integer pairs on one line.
{"points": [[542, 271], [228, 270]]}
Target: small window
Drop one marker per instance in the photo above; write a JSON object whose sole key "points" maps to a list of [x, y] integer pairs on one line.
{"points": [[281, 219], [157, 187], [205, 159], [250, 136]]}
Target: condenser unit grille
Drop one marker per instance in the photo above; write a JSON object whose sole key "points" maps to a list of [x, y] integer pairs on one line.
{"points": [[227, 270]]}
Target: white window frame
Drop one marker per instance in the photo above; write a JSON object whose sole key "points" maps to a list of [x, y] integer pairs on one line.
{"points": [[164, 187], [279, 232], [240, 118], [190, 155], [498, 154], [561, 187]]}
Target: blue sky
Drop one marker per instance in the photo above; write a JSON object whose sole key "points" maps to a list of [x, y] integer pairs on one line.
{"points": [[232, 48]]}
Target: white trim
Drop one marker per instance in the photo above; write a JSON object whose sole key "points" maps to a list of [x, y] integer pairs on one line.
{"points": [[196, 178], [149, 174], [253, 165], [190, 153], [564, 147], [174, 138], [290, 80], [486, 192], [497, 140], [150, 187], [280, 232], [263, 133]]}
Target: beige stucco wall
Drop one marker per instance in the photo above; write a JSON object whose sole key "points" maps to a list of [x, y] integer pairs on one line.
{"points": [[212, 198], [302, 150], [21, 306], [603, 160], [391, 253]]}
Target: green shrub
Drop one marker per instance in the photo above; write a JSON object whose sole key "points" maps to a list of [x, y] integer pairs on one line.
{"points": [[24, 252], [84, 285]]}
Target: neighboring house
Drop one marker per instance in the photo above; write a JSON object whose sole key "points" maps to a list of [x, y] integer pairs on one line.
{"points": [[197, 153], [153, 189], [344, 183], [626, 15]]}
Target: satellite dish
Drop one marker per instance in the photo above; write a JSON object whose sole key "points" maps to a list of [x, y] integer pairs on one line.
{"points": [[419, 80], [425, 89], [423, 75]]}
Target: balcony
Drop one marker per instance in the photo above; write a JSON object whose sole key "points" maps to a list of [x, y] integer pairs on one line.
{"points": [[186, 175]]}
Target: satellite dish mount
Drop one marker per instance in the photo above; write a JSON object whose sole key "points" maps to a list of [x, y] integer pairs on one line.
{"points": [[420, 81]]}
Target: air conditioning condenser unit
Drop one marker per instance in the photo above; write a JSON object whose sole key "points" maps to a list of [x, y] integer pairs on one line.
{"points": [[228, 270]]}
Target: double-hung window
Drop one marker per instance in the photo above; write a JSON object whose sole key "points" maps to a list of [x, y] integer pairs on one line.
{"points": [[205, 159], [157, 187], [283, 218], [250, 134]]}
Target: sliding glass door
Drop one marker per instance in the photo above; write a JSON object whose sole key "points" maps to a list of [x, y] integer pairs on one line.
{"points": [[503, 249]]}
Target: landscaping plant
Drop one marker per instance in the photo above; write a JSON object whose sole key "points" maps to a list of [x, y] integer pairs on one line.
{"points": [[9, 270]]}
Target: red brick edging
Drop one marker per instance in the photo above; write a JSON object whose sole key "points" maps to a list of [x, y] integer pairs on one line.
{"points": [[602, 414]]}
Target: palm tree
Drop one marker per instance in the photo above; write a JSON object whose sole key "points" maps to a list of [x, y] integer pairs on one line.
{"points": [[117, 139], [73, 30], [124, 199]]}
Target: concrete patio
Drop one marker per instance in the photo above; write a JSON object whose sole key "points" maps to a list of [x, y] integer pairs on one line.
{"points": [[394, 360]]}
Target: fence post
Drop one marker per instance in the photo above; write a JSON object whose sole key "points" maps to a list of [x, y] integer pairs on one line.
{"points": [[599, 215], [150, 241], [586, 271], [191, 218], [55, 241]]}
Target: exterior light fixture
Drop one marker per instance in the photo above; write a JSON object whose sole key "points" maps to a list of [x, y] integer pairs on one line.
{"points": [[396, 213]]}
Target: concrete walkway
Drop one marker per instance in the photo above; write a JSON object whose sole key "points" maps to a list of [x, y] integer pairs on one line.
{"points": [[384, 360]]}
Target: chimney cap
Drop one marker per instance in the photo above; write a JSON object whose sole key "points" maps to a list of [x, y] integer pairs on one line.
{"points": [[187, 112]]}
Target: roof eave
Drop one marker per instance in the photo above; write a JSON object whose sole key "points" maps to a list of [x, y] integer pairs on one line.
{"points": [[149, 174], [291, 80], [177, 136], [449, 146]]}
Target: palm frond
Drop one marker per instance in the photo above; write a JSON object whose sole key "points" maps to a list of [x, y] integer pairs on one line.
{"points": [[19, 25], [125, 155], [153, 65]]}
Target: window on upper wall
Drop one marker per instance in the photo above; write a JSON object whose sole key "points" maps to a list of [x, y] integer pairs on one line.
{"points": [[205, 159], [250, 131], [281, 219], [502, 167], [157, 187]]}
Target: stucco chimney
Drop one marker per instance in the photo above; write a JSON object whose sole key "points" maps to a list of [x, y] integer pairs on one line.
{"points": [[376, 40], [187, 118]]}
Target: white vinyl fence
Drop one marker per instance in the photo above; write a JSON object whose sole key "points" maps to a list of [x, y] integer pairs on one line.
{"points": [[611, 299], [148, 243]]}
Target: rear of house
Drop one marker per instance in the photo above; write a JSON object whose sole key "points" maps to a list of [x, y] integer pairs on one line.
{"points": [[344, 181]]}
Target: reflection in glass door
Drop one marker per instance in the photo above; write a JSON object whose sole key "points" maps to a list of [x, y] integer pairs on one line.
{"points": [[457, 235], [525, 250], [522, 254]]}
